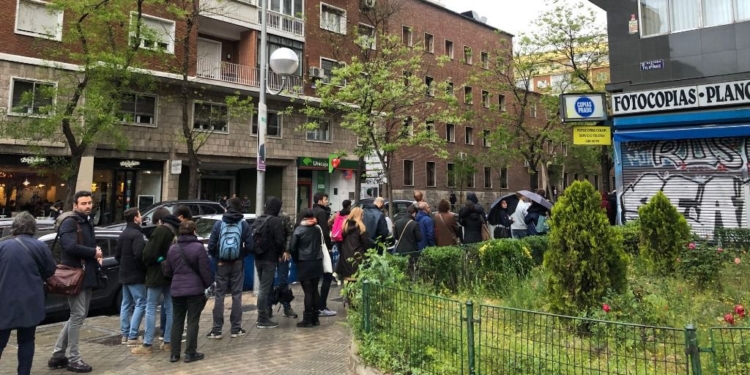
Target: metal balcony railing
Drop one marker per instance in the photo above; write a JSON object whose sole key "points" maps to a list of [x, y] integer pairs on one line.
{"points": [[244, 75], [285, 23]]}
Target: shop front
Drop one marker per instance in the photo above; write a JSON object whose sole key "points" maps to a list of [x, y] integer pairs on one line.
{"points": [[332, 176], [30, 183], [121, 184]]}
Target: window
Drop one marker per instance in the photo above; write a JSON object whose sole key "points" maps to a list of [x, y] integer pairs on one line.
{"points": [[332, 19], [210, 117], [408, 173], [31, 97], [431, 174], [286, 7], [273, 124], [322, 133], [485, 99], [469, 136], [449, 89], [565, 180], [275, 42], [743, 14], [468, 59], [501, 102], [156, 33], [503, 178], [470, 183], [428, 82], [450, 133], [34, 18], [564, 149], [406, 36], [487, 177], [451, 176], [575, 176], [468, 96], [485, 60], [541, 84], [596, 181], [486, 138], [408, 127], [328, 67], [138, 109], [663, 16], [532, 110], [430, 126], [429, 43], [367, 36], [449, 48], [407, 77]]}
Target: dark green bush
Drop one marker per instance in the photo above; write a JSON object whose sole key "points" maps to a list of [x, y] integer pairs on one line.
{"points": [[664, 234], [538, 246], [501, 262], [630, 237], [442, 266], [733, 238], [585, 257]]}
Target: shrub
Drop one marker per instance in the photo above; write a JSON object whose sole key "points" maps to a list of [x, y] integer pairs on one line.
{"points": [[502, 261], [585, 256], [538, 246], [702, 264], [441, 266], [733, 238], [630, 233], [664, 234]]}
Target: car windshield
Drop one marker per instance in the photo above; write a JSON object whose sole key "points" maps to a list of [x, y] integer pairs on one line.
{"points": [[204, 226]]}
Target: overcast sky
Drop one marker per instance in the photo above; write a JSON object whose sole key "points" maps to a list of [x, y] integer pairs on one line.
{"points": [[512, 16]]}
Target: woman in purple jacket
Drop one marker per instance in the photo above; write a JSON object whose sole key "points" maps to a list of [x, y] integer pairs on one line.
{"points": [[187, 264]]}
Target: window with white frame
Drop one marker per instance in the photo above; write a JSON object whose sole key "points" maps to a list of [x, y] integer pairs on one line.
{"points": [[449, 89], [485, 60], [430, 126], [487, 177], [332, 19], [532, 110], [485, 99], [328, 65], [273, 124], [30, 97], [503, 178], [471, 182], [430, 175], [468, 58], [486, 138], [429, 43], [501, 103], [468, 95], [451, 175], [288, 7], [156, 33], [469, 136], [564, 149], [408, 127], [322, 133], [210, 117], [367, 36], [428, 81], [406, 36], [660, 17], [408, 173], [35, 18], [449, 48], [138, 109], [450, 133]]}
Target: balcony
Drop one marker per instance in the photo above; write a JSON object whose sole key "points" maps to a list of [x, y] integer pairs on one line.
{"points": [[247, 12], [284, 23], [244, 75]]}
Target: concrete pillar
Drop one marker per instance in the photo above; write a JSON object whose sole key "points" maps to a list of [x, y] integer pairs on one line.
{"points": [[85, 174]]}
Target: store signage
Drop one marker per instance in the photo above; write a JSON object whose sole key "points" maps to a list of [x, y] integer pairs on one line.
{"points": [[583, 107], [129, 163], [323, 163], [653, 64], [175, 166], [33, 160], [702, 96], [592, 135], [633, 25]]}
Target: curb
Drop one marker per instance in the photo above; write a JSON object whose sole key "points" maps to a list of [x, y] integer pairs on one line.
{"points": [[356, 365]]}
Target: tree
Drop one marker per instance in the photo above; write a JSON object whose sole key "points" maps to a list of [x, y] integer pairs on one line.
{"points": [[103, 39], [463, 173], [502, 151]]}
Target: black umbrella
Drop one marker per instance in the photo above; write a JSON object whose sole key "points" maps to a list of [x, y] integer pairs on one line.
{"points": [[536, 198], [494, 215]]}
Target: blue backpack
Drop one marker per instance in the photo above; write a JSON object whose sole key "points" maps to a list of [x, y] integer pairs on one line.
{"points": [[230, 241]]}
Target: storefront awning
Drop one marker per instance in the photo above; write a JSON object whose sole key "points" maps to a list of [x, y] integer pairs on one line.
{"points": [[695, 132]]}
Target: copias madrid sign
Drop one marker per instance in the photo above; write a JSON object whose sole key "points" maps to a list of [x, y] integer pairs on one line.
{"points": [[702, 96]]}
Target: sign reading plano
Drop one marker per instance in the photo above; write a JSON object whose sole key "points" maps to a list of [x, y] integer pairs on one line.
{"points": [[702, 96]]}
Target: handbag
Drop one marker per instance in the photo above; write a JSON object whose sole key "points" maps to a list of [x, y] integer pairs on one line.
{"points": [[327, 265], [208, 292], [485, 233], [395, 250], [456, 241]]}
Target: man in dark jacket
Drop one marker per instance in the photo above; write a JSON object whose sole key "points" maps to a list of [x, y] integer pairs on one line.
{"points": [[25, 263], [375, 222], [473, 198], [322, 213], [129, 254], [265, 263], [157, 285], [426, 225], [230, 271], [76, 236], [408, 242]]}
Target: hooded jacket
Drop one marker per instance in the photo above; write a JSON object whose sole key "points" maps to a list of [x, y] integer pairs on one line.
{"points": [[306, 241], [156, 251], [472, 221], [129, 254], [231, 217], [193, 277], [473, 198], [73, 252], [408, 242], [427, 226], [275, 228], [322, 213], [377, 226]]}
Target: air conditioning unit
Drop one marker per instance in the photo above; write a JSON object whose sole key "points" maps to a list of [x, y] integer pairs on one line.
{"points": [[367, 4], [316, 72]]}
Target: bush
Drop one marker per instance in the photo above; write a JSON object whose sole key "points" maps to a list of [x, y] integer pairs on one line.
{"points": [[664, 234], [442, 267], [702, 264], [585, 256], [733, 238], [630, 233], [502, 261], [538, 246]]}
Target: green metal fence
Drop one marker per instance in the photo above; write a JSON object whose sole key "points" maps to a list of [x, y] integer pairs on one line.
{"points": [[434, 335]]}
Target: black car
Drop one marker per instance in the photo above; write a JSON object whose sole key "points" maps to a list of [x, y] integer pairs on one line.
{"points": [[399, 206], [197, 208]]}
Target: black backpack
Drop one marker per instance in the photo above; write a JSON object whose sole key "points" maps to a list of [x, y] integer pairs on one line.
{"points": [[262, 240]]}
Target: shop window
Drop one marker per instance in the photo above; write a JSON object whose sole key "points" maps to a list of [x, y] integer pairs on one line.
{"points": [[430, 174], [273, 124], [322, 133], [138, 109], [35, 18], [210, 117], [31, 97], [156, 33], [408, 173]]}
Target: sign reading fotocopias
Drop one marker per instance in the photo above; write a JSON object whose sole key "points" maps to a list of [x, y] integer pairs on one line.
{"points": [[702, 96]]}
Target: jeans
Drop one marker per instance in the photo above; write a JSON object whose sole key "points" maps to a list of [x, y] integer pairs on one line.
{"points": [[25, 338], [266, 271], [67, 341], [132, 310], [519, 233], [310, 288], [282, 269], [152, 299], [325, 287], [192, 306], [163, 319], [230, 277]]}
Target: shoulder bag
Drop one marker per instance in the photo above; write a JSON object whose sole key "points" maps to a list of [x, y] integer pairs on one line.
{"points": [[402, 234], [327, 265], [456, 241], [208, 292]]}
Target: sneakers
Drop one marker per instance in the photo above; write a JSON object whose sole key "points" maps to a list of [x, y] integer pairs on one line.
{"points": [[241, 332], [165, 346], [57, 362], [326, 312], [266, 324], [143, 349], [214, 335], [134, 342], [79, 367], [289, 313], [124, 340], [161, 338]]}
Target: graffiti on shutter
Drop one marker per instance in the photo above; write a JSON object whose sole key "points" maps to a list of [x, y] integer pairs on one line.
{"points": [[704, 178]]}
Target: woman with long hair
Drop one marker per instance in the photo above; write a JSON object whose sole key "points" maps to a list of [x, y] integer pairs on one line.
{"points": [[448, 231], [306, 251], [356, 242]]}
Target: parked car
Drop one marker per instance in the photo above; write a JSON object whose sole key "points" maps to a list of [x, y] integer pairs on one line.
{"points": [[399, 206], [43, 225], [204, 226], [197, 208]]}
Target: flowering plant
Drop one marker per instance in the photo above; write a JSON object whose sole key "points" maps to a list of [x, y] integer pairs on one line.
{"points": [[701, 263]]}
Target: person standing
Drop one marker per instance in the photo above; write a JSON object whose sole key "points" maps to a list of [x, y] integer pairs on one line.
{"points": [[322, 212], [471, 218], [375, 222], [446, 227], [223, 201], [25, 263], [408, 233], [337, 223], [188, 267], [354, 245], [418, 197], [282, 268], [245, 205], [306, 252], [129, 254], [230, 242], [453, 201], [518, 228], [269, 230], [76, 235], [426, 225]]}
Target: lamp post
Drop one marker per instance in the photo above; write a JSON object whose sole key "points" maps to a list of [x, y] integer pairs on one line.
{"points": [[284, 62]]}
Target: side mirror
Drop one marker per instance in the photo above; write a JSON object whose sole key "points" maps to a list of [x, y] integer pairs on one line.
{"points": [[145, 220]]}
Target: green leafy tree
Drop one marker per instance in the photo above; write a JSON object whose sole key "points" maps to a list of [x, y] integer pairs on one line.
{"points": [[83, 108], [464, 172], [664, 234], [585, 257]]}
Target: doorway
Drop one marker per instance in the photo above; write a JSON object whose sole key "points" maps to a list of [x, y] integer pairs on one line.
{"points": [[214, 189]]}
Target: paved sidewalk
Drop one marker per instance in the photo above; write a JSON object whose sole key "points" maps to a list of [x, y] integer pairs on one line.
{"points": [[284, 350]]}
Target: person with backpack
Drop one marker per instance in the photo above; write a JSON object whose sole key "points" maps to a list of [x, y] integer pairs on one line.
{"points": [[157, 284], [322, 212], [337, 224], [230, 242], [268, 247], [76, 235]]}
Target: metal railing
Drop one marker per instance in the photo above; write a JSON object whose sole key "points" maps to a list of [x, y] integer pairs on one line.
{"points": [[248, 11], [244, 75], [285, 23]]}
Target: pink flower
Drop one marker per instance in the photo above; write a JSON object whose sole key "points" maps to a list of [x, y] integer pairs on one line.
{"points": [[729, 318], [719, 250], [736, 260], [691, 246], [606, 308]]}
